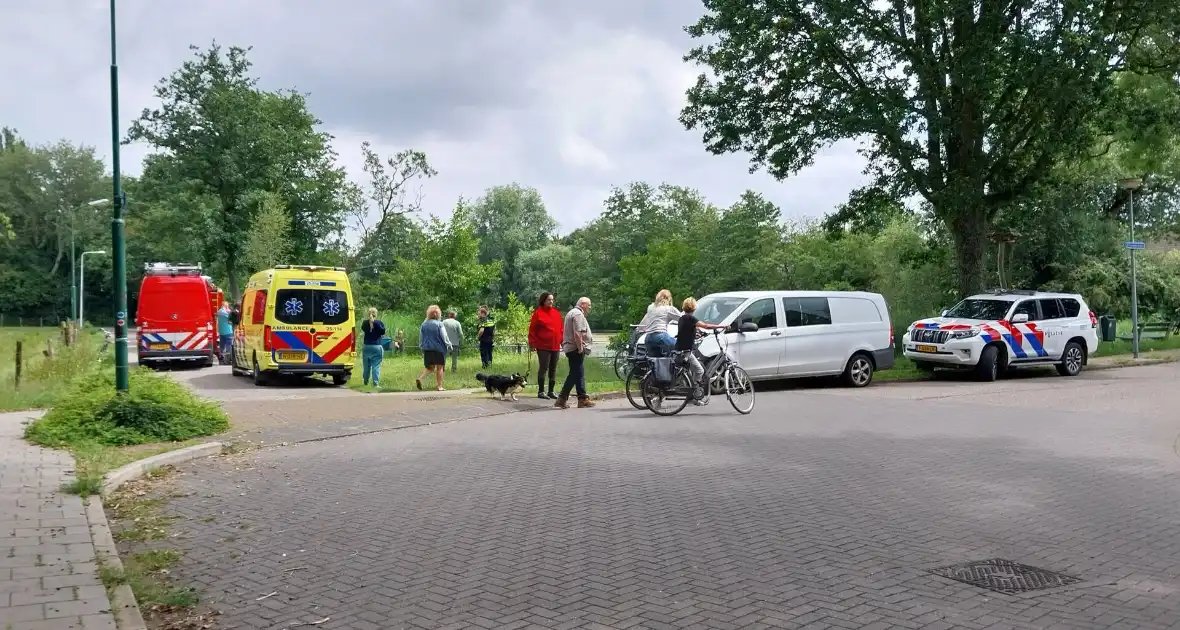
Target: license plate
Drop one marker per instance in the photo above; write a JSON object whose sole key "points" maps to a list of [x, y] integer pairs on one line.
{"points": [[927, 348], [160, 346], [292, 356]]}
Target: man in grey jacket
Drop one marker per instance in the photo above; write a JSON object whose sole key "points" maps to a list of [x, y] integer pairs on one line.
{"points": [[454, 332], [576, 344]]}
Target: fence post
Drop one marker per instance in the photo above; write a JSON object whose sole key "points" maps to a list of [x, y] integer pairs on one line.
{"points": [[19, 352]]}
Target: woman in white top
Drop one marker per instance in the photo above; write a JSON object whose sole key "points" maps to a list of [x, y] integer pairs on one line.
{"points": [[659, 343]]}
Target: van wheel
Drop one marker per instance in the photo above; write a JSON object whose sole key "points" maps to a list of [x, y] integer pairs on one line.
{"points": [[260, 379], [859, 371], [1071, 360], [988, 367], [341, 379]]}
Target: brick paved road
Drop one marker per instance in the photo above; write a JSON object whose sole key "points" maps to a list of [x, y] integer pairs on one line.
{"points": [[825, 508], [48, 576]]}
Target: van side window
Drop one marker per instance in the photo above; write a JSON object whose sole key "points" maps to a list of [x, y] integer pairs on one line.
{"points": [[1072, 307], [1051, 309], [259, 314], [808, 311], [760, 312]]}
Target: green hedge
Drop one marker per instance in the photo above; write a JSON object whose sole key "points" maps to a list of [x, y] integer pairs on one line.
{"points": [[157, 409]]}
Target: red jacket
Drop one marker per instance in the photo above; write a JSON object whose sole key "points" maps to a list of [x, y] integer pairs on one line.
{"points": [[546, 329]]}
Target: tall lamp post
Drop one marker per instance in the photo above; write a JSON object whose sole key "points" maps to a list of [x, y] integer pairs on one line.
{"points": [[82, 294], [74, 301], [1130, 184], [118, 245]]}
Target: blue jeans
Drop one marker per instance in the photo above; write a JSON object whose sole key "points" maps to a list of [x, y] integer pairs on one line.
{"points": [[371, 356], [226, 341], [659, 344]]}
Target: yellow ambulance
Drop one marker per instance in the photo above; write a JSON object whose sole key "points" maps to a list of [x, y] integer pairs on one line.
{"points": [[297, 320]]}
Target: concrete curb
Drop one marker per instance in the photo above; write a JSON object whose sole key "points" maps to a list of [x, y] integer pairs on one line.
{"points": [[123, 604], [135, 470]]}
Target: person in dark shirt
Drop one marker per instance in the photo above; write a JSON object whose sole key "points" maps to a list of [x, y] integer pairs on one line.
{"points": [[373, 349], [485, 332], [686, 334]]}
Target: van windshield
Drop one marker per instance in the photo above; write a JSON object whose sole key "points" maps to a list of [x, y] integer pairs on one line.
{"points": [[713, 310], [303, 307]]}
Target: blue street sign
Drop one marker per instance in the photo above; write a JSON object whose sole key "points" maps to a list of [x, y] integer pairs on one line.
{"points": [[1133, 244]]}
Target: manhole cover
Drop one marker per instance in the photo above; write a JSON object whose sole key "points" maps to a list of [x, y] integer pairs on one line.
{"points": [[1005, 576]]}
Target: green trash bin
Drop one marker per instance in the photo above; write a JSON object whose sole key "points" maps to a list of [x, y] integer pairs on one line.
{"points": [[1106, 328]]}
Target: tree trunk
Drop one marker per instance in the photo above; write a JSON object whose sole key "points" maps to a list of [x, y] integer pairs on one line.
{"points": [[969, 232], [231, 270]]}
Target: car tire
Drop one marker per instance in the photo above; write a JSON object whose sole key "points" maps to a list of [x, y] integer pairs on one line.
{"points": [[340, 380], [859, 371], [1072, 359], [260, 378], [988, 368], [923, 366]]}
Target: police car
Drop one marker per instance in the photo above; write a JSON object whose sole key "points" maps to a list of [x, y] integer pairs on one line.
{"points": [[992, 332]]}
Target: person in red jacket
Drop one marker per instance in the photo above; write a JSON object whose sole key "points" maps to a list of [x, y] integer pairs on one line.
{"points": [[545, 332]]}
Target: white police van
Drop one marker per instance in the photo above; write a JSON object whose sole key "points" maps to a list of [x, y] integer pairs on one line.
{"points": [[992, 332]]}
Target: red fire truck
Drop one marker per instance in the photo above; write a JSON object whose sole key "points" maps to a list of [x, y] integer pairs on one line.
{"points": [[176, 315]]}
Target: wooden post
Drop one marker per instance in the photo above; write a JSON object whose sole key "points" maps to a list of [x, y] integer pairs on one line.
{"points": [[19, 361], [49, 348]]}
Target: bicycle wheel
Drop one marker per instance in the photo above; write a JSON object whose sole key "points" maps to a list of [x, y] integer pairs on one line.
{"points": [[739, 389], [633, 387], [667, 402], [621, 364]]}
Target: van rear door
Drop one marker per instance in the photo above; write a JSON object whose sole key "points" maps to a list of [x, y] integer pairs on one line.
{"points": [[173, 314], [318, 324]]}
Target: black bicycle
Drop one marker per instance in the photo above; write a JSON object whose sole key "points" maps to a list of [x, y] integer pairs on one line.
{"points": [[722, 373]]}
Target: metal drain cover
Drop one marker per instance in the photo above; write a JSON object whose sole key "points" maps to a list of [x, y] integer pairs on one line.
{"points": [[1005, 576]]}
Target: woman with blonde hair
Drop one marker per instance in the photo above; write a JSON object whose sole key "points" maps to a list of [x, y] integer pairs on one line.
{"points": [[658, 341], [372, 350], [432, 338]]}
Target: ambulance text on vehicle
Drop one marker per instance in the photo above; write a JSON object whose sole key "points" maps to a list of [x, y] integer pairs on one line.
{"points": [[296, 319]]}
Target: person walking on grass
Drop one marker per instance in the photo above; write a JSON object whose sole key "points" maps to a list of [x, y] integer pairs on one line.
{"points": [[486, 335], [454, 335], [372, 352], [545, 334], [433, 341], [576, 344]]}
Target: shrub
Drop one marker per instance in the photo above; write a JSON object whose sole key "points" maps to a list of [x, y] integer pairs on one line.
{"points": [[157, 409]]}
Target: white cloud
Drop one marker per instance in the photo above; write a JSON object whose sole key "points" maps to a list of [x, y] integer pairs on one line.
{"points": [[569, 99]]}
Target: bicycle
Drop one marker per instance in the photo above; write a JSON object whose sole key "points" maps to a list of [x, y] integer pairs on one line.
{"points": [[626, 357], [721, 373]]}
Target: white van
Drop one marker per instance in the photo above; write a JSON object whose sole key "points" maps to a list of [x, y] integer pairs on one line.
{"points": [[790, 334]]}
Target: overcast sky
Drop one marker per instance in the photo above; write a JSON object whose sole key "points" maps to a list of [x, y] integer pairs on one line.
{"points": [[566, 96]]}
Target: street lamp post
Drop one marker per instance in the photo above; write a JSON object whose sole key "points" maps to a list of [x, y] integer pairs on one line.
{"points": [[118, 245], [74, 311], [1130, 184], [82, 282]]}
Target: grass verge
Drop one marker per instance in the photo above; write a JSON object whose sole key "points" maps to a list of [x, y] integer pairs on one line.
{"points": [[105, 431], [398, 373], [44, 380]]}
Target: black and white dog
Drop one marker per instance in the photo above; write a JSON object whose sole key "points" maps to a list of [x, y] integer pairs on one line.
{"points": [[506, 385]]}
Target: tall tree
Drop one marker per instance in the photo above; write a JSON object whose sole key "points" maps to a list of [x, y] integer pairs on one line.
{"points": [[966, 103], [222, 137], [510, 220], [385, 220]]}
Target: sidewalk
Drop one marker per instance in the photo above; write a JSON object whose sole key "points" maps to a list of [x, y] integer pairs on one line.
{"points": [[48, 575]]}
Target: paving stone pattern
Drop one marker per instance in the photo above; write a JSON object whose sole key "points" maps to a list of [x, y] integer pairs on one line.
{"points": [[48, 576], [823, 509]]}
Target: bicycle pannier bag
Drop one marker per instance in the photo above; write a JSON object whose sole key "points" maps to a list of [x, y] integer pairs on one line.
{"points": [[662, 370]]}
